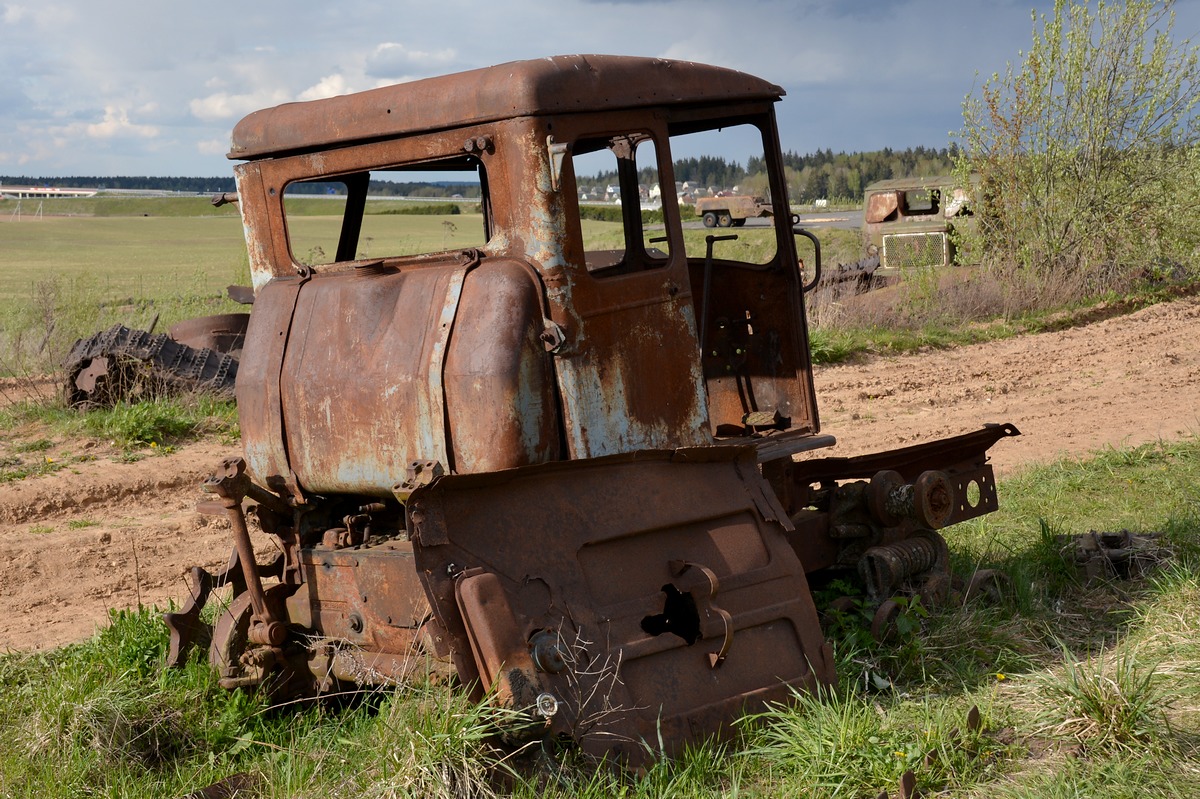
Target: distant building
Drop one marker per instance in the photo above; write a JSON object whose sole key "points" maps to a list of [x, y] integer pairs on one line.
{"points": [[42, 192]]}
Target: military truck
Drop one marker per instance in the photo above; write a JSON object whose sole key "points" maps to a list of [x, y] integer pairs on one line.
{"points": [[581, 478], [731, 210], [909, 222]]}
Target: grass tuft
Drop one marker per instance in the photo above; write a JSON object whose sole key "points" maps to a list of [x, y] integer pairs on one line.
{"points": [[1112, 701]]}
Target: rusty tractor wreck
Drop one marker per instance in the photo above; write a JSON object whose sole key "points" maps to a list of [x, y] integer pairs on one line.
{"points": [[583, 479]]}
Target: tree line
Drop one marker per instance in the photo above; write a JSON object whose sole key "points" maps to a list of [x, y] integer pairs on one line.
{"points": [[822, 174], [813, 176]]}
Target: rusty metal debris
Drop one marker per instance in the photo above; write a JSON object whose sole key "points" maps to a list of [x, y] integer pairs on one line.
{"points": [[1118, 555], [123, 364], [584, 481], [196, 355], [909, 223]]}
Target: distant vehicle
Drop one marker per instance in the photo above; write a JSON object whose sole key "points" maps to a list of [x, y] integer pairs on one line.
{"points": [[731, 211], [908, 222]]}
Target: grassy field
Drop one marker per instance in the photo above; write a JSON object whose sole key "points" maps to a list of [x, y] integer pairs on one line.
{"points": [[85, 265], [1084, 690]]}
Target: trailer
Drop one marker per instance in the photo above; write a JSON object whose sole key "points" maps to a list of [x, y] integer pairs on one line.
{"points": [[732, 210]]}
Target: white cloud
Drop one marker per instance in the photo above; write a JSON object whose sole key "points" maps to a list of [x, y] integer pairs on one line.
{"points": [[42, 16], [224, 106], [212, 146], [328, 86], [116, 124], [392, 58]]}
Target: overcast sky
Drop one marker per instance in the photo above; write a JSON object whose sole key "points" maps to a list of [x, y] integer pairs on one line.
{"points": [[127, 87]]}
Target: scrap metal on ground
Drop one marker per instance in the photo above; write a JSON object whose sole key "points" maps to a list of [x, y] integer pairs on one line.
{"points": [[583, 479], [120, 363]]}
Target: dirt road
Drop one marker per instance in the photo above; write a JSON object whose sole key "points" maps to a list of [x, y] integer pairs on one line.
{"points": [[107, 535]]}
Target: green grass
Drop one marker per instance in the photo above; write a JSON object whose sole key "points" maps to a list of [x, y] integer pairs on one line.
{"points": [[1082, 691], [42, 438]]}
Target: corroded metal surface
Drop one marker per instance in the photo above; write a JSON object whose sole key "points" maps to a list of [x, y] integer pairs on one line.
{"points": [[563, 470], [221, 332], [123, 364], [548, 86], [664, 582]]}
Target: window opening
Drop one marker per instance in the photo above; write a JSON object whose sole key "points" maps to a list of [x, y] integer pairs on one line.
{"points": [[620, 204], [921, 202], [721, 181], [388, 213]]}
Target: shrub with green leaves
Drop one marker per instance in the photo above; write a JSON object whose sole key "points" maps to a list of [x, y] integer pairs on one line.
{"points": [[1086, 149]]}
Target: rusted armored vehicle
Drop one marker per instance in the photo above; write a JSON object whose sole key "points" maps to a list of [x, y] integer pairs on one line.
{"points": [[732, 210], [909, 222], [582, 477]]}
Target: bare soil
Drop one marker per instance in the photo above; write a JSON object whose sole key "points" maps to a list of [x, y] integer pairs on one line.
{"points": [[102, 534]]}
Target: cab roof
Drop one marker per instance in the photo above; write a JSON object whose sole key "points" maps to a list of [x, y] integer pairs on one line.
{"points": [[554, 85]]}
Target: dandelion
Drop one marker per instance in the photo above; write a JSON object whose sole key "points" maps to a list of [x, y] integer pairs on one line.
{"points": [[49, 459], [153, 444], [1000, 677]]}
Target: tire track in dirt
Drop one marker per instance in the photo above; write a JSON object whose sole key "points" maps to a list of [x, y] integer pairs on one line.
{"points": [[1121, 381]]}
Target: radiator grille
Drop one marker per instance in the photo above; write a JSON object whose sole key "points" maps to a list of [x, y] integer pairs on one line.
{"points": [[913, 250]]}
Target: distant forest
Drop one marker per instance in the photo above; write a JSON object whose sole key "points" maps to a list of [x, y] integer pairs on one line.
{"points": [[823, 174]]}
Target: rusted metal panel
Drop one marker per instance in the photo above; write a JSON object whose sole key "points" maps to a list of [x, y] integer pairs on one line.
{"points": [[555, 85], [364, 365], [499, 379], [753, 359], [260, 414], [656, 590], [370, 599], [618, 328], [880, 206], [221, 333], [380, 359]]}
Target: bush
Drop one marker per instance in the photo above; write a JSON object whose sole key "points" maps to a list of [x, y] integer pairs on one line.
{"points": [[426, 209], [1086, 149], [612, 213]]}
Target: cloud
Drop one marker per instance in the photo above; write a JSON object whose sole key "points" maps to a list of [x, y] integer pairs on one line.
{"points": [[224, 106], [390, 59], [41, 16], [116, 124], [212, 146], [328, 86]]}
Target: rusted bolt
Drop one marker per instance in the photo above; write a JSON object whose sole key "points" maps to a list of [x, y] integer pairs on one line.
{"points": [[547, 654], [356, 623]]}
